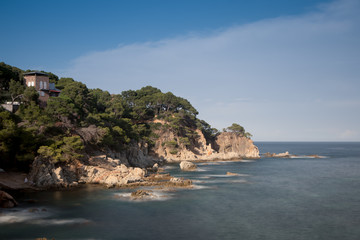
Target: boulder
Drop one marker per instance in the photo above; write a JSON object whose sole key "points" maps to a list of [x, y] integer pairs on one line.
{"points": [[155, 167], [6, 200], [187, 166]]}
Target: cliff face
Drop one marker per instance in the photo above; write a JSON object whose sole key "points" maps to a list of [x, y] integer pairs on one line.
{"points": [[232, 145], [99, 169], [226, 146]]}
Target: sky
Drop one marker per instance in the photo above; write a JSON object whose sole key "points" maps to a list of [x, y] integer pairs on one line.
{"points": [[285, 70]]}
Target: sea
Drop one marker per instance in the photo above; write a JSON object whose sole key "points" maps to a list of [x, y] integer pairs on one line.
{"points": [[300, 198]]}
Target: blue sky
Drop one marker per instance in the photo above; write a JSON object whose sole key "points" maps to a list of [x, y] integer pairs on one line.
{"points": [[285, 70]]}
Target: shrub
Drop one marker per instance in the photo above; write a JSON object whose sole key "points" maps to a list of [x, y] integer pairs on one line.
{"points": [[65, 150]]}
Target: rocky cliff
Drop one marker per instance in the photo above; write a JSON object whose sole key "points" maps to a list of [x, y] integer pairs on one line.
{"points": [[120, 168], [227, 145], [110, 169], [232, 145]]}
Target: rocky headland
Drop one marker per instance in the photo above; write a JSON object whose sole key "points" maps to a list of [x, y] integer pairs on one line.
{"points": [[139, 165], [89, 136]]}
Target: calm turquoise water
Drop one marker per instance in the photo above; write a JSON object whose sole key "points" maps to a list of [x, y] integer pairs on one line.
{"points": [[276, 199]]}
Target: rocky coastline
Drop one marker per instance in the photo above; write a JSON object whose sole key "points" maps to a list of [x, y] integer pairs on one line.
{"points": [[135, 167], [137, 164]]}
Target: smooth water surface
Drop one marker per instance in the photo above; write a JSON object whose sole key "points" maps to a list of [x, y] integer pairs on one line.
{"points": [[300, 198]]}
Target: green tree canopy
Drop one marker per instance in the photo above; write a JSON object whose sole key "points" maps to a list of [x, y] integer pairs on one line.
{"points": [[236, 128], [63, 82], [16, 90]]}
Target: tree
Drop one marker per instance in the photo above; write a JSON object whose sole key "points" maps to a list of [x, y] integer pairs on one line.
{"points": [[236, 128], [100, 99], [63, 82], [16, 90], [30, 95], [7, 73], [65, 150], [17, 144], [78, 94], [61, 108]]}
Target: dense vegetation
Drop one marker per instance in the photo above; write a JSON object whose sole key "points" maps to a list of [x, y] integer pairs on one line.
{"points": [[82, 118]]}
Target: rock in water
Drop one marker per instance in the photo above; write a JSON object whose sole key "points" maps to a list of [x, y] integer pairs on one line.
{"points": [[187, 166], [232, 174], [6, 200], [141, 194]]}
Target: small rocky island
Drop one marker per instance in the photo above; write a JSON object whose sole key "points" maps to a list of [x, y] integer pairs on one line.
{"points": [[67, 135]]}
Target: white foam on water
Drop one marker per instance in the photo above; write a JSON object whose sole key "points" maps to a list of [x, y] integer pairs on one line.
{"points": [[227, 176], [61, 221], [157, 195], [204, 177], [170, 167], [36, 216], [208, 163], [305, 156], [199, 187], [201, 170], [230, 161], [247, 160], [22, 215], [238, 181]]}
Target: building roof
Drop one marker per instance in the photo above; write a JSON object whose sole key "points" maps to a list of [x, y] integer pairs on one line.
{"points": [[52, 88], [36, 73]]}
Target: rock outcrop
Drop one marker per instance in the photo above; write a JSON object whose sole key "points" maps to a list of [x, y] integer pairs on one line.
{"points": [[6, 200], [115, 176], [227, 145], [232, 145], [99, 170], [278, 155], [141, 194], [46, 174], [288, 155], [187, 166]]}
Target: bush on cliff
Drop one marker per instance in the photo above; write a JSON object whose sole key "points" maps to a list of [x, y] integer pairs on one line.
{"points": [[65, 150]]}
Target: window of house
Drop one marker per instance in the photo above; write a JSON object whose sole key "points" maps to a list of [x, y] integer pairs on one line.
{"points": [[33, 84], [42, 93], [45, 87], [29, 84], [41, 85]]}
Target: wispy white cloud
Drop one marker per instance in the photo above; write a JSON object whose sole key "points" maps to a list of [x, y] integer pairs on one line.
{"points": [[292, 60], [349, 135]]}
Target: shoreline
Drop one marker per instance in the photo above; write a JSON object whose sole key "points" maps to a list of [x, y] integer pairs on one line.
{"points": [[15, 181]]}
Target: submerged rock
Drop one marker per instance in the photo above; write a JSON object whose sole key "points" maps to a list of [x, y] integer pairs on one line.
{"points": [[288, 155], [141, 194], [187, 166], [6, 200], [232, 174], [279, 155]]}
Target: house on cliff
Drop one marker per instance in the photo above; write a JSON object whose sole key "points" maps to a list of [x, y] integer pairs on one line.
{"points": [[42, 85]]}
